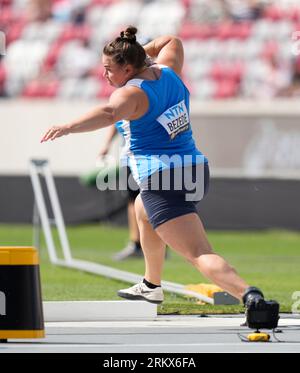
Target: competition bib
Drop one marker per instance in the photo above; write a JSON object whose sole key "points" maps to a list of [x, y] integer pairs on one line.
{"points": [[175, 119]]}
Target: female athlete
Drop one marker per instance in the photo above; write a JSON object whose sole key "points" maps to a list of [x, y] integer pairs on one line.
{"points": [[151, 108]]}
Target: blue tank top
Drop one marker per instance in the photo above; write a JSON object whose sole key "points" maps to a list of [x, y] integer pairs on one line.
{"points": [[162, 137]]}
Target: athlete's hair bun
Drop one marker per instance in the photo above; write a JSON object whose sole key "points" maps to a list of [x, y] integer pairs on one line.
{"points": [[125, 49], [129, 34]]}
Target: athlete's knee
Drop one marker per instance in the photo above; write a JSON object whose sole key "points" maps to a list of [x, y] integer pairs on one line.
{"points": [[196, 253], [211, 264], [193, 256], [140, 211]]}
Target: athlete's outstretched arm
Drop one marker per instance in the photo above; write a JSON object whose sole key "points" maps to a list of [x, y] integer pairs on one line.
{"points": [[122, 104], [167, 50]]}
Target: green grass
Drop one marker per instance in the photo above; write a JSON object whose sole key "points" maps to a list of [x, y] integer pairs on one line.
{"points": [[267, 259]]}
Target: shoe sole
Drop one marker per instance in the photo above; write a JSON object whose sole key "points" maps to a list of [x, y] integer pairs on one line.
{"points": [[137, 297]]}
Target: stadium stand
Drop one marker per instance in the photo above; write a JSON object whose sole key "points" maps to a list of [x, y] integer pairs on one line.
{"points": [[234, 48]]}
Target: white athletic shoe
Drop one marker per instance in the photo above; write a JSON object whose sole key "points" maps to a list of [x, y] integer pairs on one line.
{"points": [[141, 291]]}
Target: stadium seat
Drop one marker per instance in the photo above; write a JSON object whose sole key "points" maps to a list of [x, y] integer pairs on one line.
{"points": [[225, 30], [233, 49], [72, 32], [51, 89], [218, 71], [195, 31], [274, 13], [90, 88], [236, 71], [2, 78], [284, 30], [6, 3], [264, 29], [47, 31], [198, 70], [229, 71], [14, 31], [225, 89], [52, 56], [218, 50], [2, 73], [105, 90], [293, 14], [186, 3], [6, 16], [102, 2], [269, 49], [242, 30], [252, 49], [118, 15], [75, 60], [69, 88], [97, 72], [44, 89], [94, 15], [193, 49], [159, 18], [204, 89], [79, 88], [32, 55], [206, 11], [214, 49]]}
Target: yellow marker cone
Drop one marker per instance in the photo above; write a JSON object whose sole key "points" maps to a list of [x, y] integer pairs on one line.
{"points": [[21, 309]]}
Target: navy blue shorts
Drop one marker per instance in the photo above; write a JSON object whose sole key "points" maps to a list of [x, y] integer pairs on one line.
{"points": [[171, 193]]}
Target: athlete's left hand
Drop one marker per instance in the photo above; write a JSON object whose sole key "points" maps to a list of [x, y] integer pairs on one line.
{"points": [[55, 132]]}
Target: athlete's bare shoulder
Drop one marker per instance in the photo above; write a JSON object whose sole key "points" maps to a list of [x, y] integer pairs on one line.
{"points": [[131, 97], [127, 92]]}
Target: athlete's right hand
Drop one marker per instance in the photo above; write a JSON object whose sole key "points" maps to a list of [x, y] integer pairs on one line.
{"points": [[55, 132]]}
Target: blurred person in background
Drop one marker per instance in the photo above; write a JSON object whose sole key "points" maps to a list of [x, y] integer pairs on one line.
{"points": [[243, 10], [133, 248], [72, 11], [76, 60], [276, 77], [39, 10], [267, 77], [151, 105], [204, 11], [293, 89], [272, 79]]}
